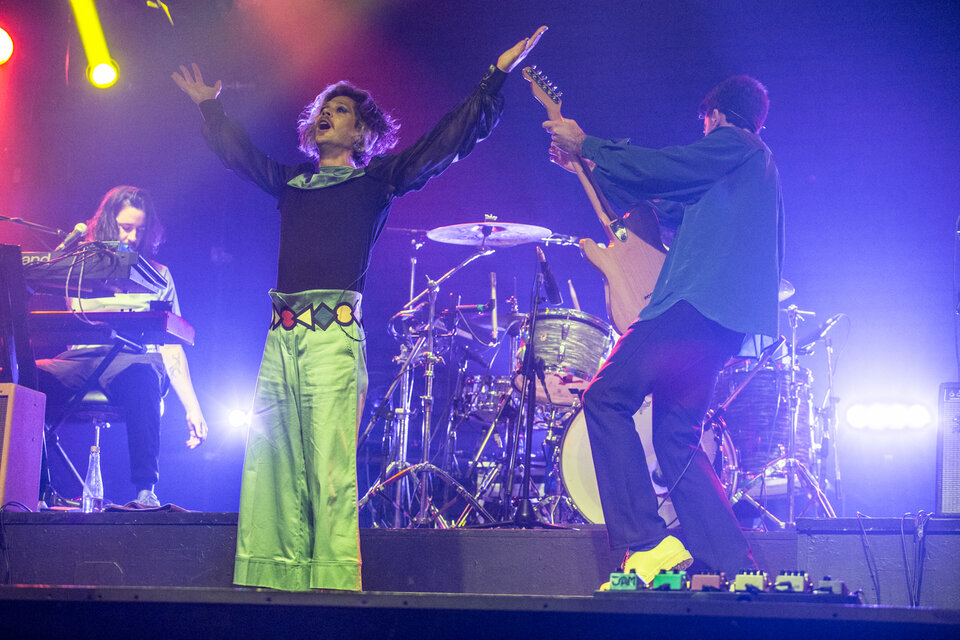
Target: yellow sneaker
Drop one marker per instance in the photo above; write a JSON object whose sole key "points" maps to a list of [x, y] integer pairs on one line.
{"points": [[669, 555]]}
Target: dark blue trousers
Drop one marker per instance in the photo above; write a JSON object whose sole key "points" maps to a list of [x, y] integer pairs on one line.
{"points": [[676, 357]]}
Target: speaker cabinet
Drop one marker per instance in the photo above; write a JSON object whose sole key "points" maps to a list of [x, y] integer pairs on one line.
{"points": [[948, 451], [21, 439]]}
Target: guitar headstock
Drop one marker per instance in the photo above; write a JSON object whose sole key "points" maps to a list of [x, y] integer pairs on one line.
{"points": [[543, 90]]}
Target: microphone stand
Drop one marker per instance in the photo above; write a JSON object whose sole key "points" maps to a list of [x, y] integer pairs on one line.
{"points": [[36, 227], [525, 515], [829, 415]]}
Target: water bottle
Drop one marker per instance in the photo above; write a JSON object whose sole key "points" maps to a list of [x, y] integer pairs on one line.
{"points": [[93, 484]]}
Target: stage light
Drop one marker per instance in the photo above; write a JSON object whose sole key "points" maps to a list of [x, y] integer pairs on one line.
{"points": [[103, 75], [239, 419], [888, 416], [101, 69], [6, 46]]}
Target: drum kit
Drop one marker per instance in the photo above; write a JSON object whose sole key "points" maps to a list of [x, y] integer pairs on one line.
{"points": [[512, 448]]}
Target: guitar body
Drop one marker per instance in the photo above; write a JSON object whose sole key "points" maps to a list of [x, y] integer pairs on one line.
{"points": [[630, 263], [629, 269]]}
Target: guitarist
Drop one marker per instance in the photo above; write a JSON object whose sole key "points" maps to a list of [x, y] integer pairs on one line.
{"points": [[718, 287]]}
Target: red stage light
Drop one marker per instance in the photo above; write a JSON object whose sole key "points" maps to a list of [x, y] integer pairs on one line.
{"points": [[6, 46]]}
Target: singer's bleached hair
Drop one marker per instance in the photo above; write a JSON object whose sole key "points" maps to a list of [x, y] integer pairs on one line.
{"points": [[103, 225], [378, 129]]}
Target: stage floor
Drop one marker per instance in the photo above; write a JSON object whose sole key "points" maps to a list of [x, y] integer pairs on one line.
{"points": [[195, 549], [180, 612], [176, 568]]}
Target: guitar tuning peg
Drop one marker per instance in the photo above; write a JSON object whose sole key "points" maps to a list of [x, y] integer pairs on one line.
{"points": [[559, 93]]}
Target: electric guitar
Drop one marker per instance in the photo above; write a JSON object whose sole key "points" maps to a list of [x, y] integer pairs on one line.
{"points": [[631, 261]]}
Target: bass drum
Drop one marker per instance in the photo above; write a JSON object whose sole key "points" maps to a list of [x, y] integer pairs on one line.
{"points": [[580, 478]]}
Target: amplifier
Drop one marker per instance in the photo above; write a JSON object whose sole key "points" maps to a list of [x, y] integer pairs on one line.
{"points": [[21, 442], [948, 451]]}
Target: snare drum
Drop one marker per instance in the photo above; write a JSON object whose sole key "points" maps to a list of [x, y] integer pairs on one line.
{"points": [[572, 345], [482, 396], [759, 418], [580, 477]]}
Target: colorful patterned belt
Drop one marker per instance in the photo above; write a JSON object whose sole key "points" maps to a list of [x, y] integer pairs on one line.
{"points": [[313, 318]]}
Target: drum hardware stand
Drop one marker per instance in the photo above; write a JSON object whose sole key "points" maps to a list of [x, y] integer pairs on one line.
{"points": [[525, 515], [425, 348], [795, 470], [716, 416], [557, 498], [483, 484], [489, 434], [827, 414]]}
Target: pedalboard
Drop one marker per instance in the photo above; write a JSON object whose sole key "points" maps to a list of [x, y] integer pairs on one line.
{"points": [[746, 585]]}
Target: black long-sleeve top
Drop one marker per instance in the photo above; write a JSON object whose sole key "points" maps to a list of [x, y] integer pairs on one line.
{"points": [[330, 217]]}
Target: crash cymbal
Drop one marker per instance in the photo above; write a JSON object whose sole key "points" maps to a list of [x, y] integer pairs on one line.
{"points": [[786, 290], [489, 234]]}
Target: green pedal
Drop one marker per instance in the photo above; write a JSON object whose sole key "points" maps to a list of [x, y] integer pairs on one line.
{"points": [[831, 586], [750, 581], [670, 581], [792, 582], [624, 581]]}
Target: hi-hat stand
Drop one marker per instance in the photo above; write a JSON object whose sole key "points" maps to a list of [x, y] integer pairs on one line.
{"points": [[797, 474], [415, 480]]}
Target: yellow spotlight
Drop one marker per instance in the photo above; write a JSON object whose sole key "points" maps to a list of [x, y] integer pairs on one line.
{"points": [[6, 46], [94, 44], [103, 75]]}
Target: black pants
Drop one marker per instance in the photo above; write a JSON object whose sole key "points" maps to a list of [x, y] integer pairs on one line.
{"points": [[135, 383], [676, 357]]}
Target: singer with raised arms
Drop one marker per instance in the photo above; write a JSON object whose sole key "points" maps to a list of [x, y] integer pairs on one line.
{"points": [[298, 524], [718, 286]]}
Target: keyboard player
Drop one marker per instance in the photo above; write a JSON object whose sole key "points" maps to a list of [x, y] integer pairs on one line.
{"points": [[135, 382]]}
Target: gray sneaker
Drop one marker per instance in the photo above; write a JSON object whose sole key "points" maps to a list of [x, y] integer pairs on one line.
{"points": [[147, 498]]}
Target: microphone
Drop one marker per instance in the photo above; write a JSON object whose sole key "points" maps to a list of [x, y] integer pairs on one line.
{"points": [[73, 238], [475, 308], [550, 286], [819, 332]]}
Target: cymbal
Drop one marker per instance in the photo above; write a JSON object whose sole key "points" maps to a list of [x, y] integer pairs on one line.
{"points": [[485, 320], [489, 234], [786, 290]]}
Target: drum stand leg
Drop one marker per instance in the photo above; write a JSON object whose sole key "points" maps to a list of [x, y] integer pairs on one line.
{"points": [[402, 471], [827, 415], [558, 500], [427, 513], [524, 515], [796, 471], [395, 437]]}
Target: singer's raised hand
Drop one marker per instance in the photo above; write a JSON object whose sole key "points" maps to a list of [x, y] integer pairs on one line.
{"points": [[192, 84], [513, 56]]}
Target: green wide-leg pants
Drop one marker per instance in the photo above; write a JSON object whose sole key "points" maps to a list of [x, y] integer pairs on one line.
{"points": [[298, 526]]}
